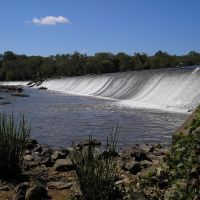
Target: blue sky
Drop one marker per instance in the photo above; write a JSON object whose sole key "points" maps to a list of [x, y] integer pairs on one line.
{"points": [[91, 26]]}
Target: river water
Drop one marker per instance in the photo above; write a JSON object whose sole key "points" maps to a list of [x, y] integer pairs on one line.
{"points": [[59, 119]]}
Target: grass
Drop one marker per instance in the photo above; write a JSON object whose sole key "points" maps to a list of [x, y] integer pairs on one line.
{"points": [[97, 172], [13, 139]]}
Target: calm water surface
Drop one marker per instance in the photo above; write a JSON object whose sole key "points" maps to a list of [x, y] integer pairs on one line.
{"points": [[59, 119]]}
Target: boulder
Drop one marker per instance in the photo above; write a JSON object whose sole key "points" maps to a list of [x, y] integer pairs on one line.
{"points": [[89, 142], [133, 166], [58, 155], [31, 144], [59, 185], [63, 165], [28, 157]]}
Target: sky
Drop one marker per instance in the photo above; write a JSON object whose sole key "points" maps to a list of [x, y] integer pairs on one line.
{"points": [[49, 27]]}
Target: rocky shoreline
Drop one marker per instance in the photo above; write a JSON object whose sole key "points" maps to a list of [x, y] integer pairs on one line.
{"points": [[50, 173]]}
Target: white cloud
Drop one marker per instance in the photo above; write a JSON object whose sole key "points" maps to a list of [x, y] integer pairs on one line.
{"points": [[50, 20]]}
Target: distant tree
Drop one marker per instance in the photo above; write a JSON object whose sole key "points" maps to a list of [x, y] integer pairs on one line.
{"points": [[9, 55]]}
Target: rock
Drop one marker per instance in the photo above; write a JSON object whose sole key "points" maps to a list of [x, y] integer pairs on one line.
{"points": [[27, 152], [46, 161], [28, 157], [42, 88], [133, 166], [146, 163], [138, 153], [63, 165], [140, 196], [70, 149], [4, 188], [31, 144], [20, 191], [38, 149], [59, 185], [89, 142], [37, 192], [20, 95], [58, 155], [147, 147], [107, 154], [5, 102]]}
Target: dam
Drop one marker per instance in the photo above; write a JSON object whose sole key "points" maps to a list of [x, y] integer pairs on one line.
{"points": [[149, 105], [165, 89]]}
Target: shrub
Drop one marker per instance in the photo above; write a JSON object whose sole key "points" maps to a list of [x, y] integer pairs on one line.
{"points": [[13, 139], [97, 172]]}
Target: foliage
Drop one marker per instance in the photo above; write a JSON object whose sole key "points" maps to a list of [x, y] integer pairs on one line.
{"points": [[97, 171], [22, 67], [13, 139], [179, 174]]}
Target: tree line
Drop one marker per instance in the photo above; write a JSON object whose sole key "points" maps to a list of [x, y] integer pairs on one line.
{"points": [[23, 67]]}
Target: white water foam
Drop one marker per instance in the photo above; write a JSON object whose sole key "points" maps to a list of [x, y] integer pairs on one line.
{"points": [[166, 89]]}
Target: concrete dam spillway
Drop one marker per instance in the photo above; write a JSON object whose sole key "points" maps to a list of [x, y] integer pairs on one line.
{"points": [[170, 89]]}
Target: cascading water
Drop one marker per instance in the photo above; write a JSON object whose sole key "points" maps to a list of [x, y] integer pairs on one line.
{"points": [[167, 89]]}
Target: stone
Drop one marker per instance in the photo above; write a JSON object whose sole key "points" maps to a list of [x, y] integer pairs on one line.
{"points": [[42, 88], [133, 166], [5, 103], [89, 142], [46, 161], [27, 152], [140, 196], [63, 165], [20, 95], [146, 163], [58, 155], [38, 149], [4, 188], [31, 144], [20, 191], [59, 185], [147, 147], [37, 192], [28, 157]]}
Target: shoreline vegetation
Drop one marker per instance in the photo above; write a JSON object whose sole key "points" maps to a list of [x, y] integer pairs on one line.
{"points": [[86, 171], [22, 67]]}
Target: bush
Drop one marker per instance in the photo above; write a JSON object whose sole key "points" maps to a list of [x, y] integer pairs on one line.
{"points": [[97, 172], [13, 139]]}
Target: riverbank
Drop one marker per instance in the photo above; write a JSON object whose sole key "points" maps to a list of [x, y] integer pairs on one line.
{"points": [[52, 172]]}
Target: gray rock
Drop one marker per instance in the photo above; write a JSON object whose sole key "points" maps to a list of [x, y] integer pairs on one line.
{"points": [[89, 142], [31, 144], [133, 166], [38, 149], [27, 152], [28, 157], [36, 193], [138, 153], [146, 163], [60, 185], [58, 155], [63, 165], [147, 147], [46, 161], [4, 188]]}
